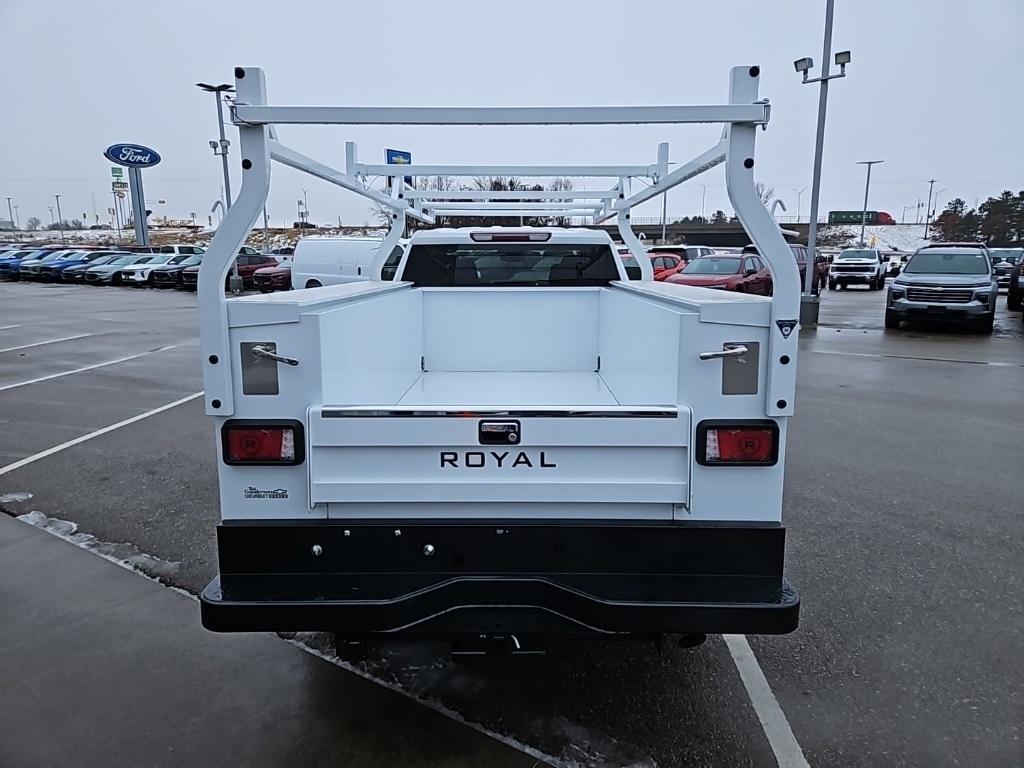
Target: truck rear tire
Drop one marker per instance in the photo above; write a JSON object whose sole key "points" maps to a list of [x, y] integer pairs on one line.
{"points": [[314, 284], [892, 320], [1013, 304]]}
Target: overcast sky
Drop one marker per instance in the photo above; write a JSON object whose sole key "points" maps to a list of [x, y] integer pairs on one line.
{"points": [[934, 89]]}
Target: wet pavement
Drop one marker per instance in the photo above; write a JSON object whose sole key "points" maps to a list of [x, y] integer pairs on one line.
{"points": [[101, 667], [903, 502]]}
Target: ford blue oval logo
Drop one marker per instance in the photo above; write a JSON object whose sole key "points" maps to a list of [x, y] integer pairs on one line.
{"points": [[132, 155]]}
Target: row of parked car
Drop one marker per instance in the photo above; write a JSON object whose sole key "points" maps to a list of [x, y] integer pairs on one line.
{"points": [[743, 271], [316, 262], [167, 266]]}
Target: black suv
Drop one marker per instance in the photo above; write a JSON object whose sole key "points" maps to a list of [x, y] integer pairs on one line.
{"points": [[800, 254]]}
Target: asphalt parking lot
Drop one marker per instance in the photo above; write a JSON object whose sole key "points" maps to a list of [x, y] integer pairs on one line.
{"points": [[904, 504]]}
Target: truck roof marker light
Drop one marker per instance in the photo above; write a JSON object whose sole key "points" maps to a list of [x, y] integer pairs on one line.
{"points": [[510, 237]]}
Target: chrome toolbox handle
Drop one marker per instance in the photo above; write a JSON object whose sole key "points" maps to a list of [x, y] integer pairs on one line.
{"points": [[731, 351]]}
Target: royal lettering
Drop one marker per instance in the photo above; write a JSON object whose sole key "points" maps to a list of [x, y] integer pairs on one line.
{"points": [[504, 460]]}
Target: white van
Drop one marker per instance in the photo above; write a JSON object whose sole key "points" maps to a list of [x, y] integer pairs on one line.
{"points": [[332, 260]]}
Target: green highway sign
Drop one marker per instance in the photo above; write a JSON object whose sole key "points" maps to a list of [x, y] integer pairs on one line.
{"points": [[117, 171]]}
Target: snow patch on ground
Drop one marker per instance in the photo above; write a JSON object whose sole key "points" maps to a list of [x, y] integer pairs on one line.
{"points": [[892, 237], [14, 498], [123, 554], [276, 238]]}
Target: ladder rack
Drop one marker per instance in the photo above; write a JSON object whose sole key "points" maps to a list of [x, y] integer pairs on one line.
{"points": [[259, 145]]}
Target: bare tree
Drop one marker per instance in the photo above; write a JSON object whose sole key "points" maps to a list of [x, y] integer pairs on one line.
{"points": [[559, 184], [32, 224], [766, 193]]}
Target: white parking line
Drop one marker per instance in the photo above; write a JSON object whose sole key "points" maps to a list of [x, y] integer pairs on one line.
{"points": [[995, 364], [78, 440], [773, 720], [44, 343], [5, 387], [8, 327]]}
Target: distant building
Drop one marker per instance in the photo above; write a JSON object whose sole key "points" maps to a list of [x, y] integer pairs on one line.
{"points": [[6, 224]]}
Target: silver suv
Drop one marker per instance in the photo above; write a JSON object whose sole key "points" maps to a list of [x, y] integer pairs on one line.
{"points": [[945, 281]]}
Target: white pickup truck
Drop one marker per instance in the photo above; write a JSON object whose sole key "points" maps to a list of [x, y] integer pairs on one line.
{"points": [[512, 438]]}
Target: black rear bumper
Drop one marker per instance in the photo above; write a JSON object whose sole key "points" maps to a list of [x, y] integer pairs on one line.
{"points": [[499, 577]]}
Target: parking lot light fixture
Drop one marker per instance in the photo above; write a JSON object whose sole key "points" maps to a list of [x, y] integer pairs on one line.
{"points": [[808, 301], [220, 147], [60, 220], [799, 196], [10, 211], [867, 185]]}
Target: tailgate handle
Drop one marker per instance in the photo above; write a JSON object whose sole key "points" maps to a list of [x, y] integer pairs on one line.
{"points": [[266, 353], [730, 351]]}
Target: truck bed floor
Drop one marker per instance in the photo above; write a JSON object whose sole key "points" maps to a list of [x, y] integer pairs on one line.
{"points": [[520, 389]]}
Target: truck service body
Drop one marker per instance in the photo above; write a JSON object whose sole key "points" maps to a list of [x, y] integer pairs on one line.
{"points": [[511, 437]]}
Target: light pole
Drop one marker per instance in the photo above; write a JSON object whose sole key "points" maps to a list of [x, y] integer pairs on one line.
{"points": [[10, 211], [117, 215], [664, 207], [17, 218], [60, 220], [305, 205], [799, 195], [867, 185], [221, 148], [808, 301], [928, 210]]}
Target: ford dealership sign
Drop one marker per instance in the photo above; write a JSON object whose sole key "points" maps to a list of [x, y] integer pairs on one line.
{"points": [[132, 155]]}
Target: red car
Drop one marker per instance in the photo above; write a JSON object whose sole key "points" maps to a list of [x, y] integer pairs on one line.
{"points": [[275, 278], [743, 273], [247, 265], [664, 264]]}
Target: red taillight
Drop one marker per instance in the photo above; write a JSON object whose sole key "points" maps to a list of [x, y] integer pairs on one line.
{"points": [[737, 444], [270, 443]]}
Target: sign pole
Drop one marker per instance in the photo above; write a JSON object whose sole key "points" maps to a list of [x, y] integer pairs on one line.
{"points": [[117, 216], [138, 206]]}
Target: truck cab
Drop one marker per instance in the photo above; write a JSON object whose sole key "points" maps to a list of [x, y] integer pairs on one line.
{"points": [[510, 438]]}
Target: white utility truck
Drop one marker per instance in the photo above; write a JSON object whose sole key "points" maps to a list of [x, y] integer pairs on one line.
{"points": [[515, 437]]}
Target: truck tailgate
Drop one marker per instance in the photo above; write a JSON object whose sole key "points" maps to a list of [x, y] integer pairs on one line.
{"points": [[594, 456]]}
